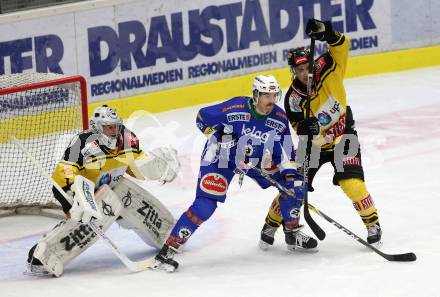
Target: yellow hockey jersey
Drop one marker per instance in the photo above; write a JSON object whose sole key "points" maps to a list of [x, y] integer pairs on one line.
{"points": [[328, 99], [85, 156]]}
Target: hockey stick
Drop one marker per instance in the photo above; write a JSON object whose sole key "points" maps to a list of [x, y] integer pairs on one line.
{"points": [[313, 225], [407, 257], [134, 266]]}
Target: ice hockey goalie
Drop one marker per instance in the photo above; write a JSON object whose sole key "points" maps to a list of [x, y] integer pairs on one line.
{"points": [[92, 173]]}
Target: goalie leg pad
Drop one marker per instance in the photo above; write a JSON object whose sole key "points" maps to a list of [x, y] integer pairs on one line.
{"points": [[144, 213], [70, 238]]}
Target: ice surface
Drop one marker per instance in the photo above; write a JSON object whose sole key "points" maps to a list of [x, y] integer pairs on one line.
{"points": [[398, 116]]}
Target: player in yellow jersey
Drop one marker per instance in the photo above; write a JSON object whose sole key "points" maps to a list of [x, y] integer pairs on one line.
{"points": [[330, 119], [98, 158]]}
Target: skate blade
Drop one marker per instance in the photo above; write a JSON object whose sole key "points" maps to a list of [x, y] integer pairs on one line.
{"points": [[163, 267], [37, 273], [377, 244], [264, 246], [297, 249]]}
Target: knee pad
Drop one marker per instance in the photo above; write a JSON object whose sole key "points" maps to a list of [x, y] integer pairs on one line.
{"points": [[200, 211], [203, 208], [288, 208]]}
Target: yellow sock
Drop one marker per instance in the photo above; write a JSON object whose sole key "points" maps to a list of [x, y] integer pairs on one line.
{"points": [[356, 190], [274, 217]]}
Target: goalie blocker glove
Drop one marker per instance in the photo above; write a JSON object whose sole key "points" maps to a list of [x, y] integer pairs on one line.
{"points": [[84, 206]]}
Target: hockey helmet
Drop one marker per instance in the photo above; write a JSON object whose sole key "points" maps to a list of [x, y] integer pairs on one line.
{"points": [[106, 116], [265, 84], [297, 56]]}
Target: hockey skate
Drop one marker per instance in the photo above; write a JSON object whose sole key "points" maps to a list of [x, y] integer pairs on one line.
{"points": [[36, 270], [267, 237], [34, 266], [164, 259], [299, 241], [374, 234], [41, 263]]}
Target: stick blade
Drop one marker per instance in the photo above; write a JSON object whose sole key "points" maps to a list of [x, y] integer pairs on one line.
{"points": [[408, 257], [317, 230], [145, 264], [314, 227]]}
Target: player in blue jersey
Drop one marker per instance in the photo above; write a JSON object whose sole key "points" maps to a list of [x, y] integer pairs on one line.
{"points": [[242, 132]]}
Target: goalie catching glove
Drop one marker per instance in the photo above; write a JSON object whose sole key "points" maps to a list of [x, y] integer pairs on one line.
{"points": [[160, 164]]}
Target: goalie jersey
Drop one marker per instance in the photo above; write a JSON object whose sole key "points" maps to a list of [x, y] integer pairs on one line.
{"points": [[85, 156], [328, 100]]}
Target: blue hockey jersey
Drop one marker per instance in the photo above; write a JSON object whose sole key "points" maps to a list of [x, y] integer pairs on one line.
{"points": [[237, 133]]}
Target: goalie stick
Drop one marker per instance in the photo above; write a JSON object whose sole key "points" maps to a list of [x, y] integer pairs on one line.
{"points": [[134, 266], [406, 257]]}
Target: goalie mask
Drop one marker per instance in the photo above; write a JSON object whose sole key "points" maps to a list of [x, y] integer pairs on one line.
{"points": [[107, 125], [265, 84]]}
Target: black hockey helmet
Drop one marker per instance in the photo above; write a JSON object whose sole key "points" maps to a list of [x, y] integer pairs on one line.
{"points": [[298, 56]]}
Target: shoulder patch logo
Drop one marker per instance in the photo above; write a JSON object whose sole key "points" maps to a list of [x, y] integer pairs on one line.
{"points": [[131, 139], [295, 102], [238, 116], [282, 114], [91, 149], [275, 124], [236, 106]]}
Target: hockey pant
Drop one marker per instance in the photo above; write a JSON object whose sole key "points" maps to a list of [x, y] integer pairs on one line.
{"points": [[212, 187]]}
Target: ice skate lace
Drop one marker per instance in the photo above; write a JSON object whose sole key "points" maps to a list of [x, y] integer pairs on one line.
{"points": [[269, 231], [301, 238], [373, 230]]}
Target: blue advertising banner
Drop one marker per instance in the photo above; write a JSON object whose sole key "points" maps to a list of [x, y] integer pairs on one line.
{"points": [[148, 46]]}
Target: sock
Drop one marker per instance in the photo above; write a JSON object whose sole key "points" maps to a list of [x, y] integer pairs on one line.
{"points": [[356, 190]]}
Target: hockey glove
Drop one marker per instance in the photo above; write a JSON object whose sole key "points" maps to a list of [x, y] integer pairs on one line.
{"points": [[308, 127], [160, 164], [321, 31], [294, 183]]}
